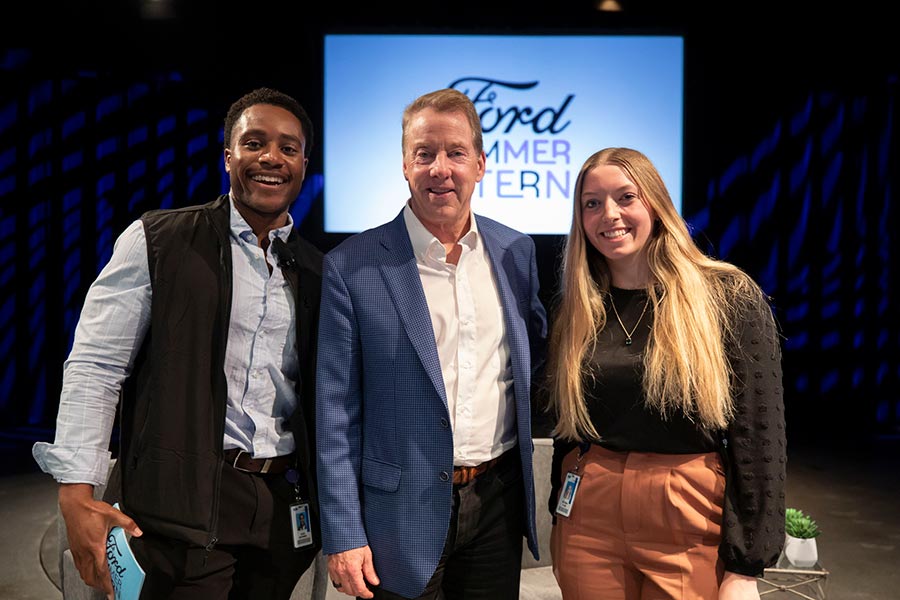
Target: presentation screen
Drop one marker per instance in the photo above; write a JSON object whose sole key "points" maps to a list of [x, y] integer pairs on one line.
{"points": [[546, 103]]}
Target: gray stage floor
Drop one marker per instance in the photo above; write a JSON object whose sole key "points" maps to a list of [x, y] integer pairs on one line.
{"points": [[855, 497]]}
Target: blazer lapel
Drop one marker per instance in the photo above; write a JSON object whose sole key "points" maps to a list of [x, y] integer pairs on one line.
{"points": [[516, 334], [401, 276]]}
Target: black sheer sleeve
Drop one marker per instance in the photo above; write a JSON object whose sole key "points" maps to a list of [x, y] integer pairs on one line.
{"points": [[754, 448]]}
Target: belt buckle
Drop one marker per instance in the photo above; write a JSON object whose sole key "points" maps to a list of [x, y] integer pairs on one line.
{"points": [[237, 457], [466, 474], [267, 463]]}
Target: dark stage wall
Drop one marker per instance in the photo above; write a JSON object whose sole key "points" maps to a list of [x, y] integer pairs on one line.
{"points": [[791, 162]]}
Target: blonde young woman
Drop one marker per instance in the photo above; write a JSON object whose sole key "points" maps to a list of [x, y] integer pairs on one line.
{"points": [[665, 378]]}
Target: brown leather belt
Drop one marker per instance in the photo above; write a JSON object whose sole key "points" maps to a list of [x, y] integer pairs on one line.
{"points": [[242, 461], [463, 475]]}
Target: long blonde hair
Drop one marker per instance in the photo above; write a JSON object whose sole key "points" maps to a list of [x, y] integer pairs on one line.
{"points": [[695, 300]]}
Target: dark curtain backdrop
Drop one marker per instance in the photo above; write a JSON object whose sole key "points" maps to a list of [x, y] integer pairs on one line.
{"points": [[791, 169], [809, 209]]}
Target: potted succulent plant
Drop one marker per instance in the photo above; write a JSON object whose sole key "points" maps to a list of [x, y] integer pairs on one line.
{"points": [[800, 543]]}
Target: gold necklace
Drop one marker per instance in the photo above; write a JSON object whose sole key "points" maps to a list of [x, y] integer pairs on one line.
{"points": [[628, 334]]}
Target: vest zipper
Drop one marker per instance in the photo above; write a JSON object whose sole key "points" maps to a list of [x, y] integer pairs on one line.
{"points": [[209, 547], [214, 526]]}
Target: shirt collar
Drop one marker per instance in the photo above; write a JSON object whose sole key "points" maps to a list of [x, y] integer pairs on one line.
{"points": [[425, 244], [241, 230]]}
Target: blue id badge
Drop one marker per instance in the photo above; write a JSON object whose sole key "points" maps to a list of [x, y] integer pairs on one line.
{"points": [[300, 525], [567, 497]]}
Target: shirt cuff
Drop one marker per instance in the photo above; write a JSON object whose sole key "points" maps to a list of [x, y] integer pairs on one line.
{"points": [[73, 465]]}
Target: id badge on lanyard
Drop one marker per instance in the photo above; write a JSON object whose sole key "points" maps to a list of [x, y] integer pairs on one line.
{"points": [[570, 486], [301, 525]]}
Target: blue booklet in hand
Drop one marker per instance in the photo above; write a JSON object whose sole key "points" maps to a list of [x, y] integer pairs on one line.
{"points": [[127, 575]]}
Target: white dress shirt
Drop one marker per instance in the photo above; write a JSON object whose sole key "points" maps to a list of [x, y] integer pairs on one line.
{"points": [[470, 333], [261, 363]]}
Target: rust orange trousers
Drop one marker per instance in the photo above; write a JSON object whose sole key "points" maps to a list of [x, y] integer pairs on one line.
{"points": [[643, 526]]}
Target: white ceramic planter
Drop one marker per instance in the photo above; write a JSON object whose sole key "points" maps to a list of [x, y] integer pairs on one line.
{"points": [[801, 552]]}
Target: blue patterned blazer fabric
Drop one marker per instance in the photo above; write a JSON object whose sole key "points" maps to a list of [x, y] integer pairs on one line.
{"points": [[384, 445]]}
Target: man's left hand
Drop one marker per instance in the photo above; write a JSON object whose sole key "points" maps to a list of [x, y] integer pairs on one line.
{"points": [[350, 570]]}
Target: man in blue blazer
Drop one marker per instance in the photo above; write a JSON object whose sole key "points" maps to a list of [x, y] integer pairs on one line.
{"points": [[430, 330]]}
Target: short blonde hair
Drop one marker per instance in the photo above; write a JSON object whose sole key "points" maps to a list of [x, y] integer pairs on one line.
{"points": [[446, 100]]}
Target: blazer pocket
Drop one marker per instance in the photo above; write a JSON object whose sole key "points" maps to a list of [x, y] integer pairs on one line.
{"points": [[380, 475]]}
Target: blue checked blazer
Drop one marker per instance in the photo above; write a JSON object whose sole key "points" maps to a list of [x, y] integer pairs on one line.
{"points": [[385, 453]]}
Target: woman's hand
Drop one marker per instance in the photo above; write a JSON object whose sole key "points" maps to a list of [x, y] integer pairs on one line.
{"points": [[738, 587]]}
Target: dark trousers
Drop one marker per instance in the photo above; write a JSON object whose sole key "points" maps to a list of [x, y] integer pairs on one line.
{"points": [[254, 557], [482, 557]]}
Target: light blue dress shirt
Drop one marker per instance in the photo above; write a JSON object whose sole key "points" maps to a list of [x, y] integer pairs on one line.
{"points": [[261, 362]]}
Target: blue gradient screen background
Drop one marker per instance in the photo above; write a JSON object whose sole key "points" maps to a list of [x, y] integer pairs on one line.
{"points": [[546, 104]]}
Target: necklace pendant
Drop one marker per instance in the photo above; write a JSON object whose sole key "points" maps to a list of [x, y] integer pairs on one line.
{"points": [[627, 333]]}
